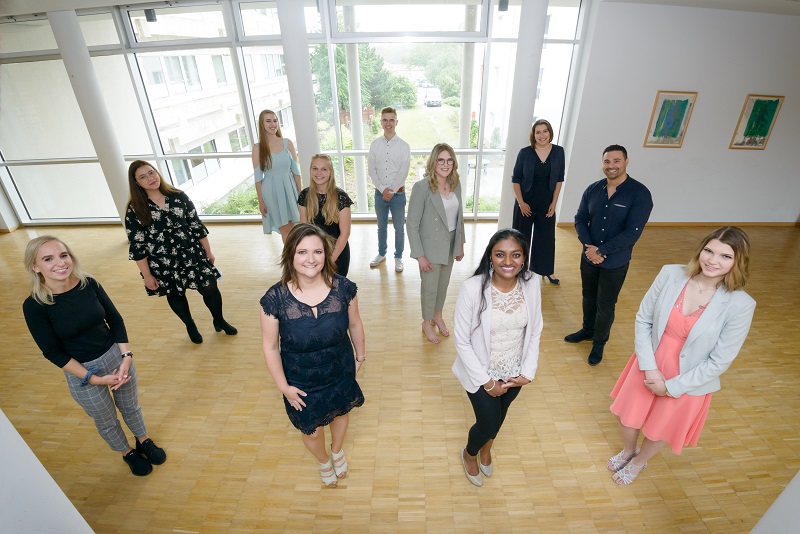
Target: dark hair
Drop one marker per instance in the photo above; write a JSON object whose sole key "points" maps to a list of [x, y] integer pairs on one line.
{"points": [[484, 269], [736, 239], [616, 148], [138, 196], [540, 122], [297, 234]]}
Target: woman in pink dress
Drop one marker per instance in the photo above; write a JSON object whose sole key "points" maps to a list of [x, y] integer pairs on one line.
{"points": [[689, 328]]}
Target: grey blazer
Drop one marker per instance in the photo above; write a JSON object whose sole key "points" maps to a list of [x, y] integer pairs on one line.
{"points": [[426, 225], [712, 344]]}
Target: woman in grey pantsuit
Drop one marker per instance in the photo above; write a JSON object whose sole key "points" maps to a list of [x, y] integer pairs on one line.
{"points": [[78, 329], [435, 227]]}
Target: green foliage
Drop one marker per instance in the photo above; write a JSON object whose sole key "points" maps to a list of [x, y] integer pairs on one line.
{"points": [[452, 101], [496, 141], [473, 134], [379, 86], [241, 202], [442, 65], [486, 204]]}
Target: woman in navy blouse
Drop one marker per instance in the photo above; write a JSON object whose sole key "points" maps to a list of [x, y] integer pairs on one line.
{"points": [[537, 179]]}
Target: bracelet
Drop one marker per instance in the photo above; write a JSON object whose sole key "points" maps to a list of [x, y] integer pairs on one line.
{"points": [[494, 383], [128, 354], [363, 358], [89, 373]]}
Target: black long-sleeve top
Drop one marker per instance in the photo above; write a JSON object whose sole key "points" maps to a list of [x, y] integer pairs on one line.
{"points": [[82, 324], [613, 224]]}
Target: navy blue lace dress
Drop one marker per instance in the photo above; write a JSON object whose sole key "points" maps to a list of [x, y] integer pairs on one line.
{"points": [[317, 353]]}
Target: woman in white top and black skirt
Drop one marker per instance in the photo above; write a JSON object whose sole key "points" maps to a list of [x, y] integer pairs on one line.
{"points": [[498, 323]]}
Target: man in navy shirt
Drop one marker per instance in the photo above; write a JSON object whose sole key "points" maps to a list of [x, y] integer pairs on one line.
{"points": [[610, 219]]}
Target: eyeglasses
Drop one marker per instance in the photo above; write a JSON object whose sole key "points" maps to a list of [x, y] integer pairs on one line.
{"points": [[442, 161]]}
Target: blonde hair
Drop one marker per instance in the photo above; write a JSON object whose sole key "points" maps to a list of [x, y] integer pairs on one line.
{"points": [[39, 291], [736, 239], [331, 208], [264, 155], [430, 167]]}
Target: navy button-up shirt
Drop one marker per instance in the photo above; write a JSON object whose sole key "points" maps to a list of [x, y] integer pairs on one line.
{"points": [[613, 224]]}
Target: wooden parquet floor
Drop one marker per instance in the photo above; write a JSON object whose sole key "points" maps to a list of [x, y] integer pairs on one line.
{"points": [[236, 465]]}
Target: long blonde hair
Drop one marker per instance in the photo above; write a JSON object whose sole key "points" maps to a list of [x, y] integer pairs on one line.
{"points": [[264, 155], [430, 167], [330, 210], [39, 291]]}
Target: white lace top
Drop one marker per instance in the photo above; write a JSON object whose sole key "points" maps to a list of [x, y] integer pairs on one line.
{"points": [[509, 320]]}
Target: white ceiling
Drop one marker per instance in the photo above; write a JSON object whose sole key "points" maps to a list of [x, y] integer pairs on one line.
{"points": [[779, 7]]}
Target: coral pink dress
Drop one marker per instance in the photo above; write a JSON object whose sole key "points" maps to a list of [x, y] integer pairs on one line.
{"points": [[676, 421]]}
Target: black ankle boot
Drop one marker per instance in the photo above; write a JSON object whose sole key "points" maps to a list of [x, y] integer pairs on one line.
{"points": [[222, 324], [194, 333]]}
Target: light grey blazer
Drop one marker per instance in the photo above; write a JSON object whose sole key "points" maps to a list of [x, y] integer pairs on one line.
{"points": [[426, 224], [472, 344], [712, 344]]}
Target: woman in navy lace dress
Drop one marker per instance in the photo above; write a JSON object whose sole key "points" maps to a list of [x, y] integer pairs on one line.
{"points": [[305, 322]]}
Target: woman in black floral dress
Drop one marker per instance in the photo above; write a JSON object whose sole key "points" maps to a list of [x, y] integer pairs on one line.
{"points": [[329, 209], [305, 321], [170, 245]]}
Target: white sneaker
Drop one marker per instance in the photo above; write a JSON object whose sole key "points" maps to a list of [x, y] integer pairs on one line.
{"points": [[398, 265], [377, 260]]}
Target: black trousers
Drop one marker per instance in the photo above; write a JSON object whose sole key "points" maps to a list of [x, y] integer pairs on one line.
{"points": [[601, 289], [490, 412], [539, 231]]}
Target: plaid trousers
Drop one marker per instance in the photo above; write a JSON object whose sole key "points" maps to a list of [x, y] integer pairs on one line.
{"points": [[99, 401]]}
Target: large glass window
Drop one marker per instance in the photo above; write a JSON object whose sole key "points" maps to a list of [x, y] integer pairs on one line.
{"points": [[98, 29], [26, 36], [177, 23], [40, 120], [59, 191], [189, 105], [373, 16], [195, 91], [261, 18]]}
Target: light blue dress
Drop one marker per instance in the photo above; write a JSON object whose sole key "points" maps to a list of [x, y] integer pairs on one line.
{"points": [[279, 190]]}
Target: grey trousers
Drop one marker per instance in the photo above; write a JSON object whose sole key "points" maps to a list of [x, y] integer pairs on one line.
{"points": [[99, 401], [434, 284]]}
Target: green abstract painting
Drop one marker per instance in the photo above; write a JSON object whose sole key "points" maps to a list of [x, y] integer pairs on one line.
{"points": [[756, 121], [669, 119]]}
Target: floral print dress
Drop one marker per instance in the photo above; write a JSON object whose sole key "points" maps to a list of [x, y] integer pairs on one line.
{"points": [[172, 246]]}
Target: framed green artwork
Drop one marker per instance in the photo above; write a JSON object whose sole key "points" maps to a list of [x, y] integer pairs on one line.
{"points": [[756, 120], [669, 119]]}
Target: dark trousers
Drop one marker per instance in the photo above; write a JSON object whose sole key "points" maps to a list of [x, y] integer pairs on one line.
{"points": [[490, 412], [601, 288], [540, 231]]}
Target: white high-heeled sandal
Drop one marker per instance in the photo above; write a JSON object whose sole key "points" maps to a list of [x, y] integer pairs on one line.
{"points": [[616, 462], [328, 474], [340, 466]]}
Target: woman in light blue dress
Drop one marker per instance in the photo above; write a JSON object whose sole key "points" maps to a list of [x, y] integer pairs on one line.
{"points": [[277, 176]]}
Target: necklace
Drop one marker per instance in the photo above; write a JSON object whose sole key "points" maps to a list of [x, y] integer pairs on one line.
{"points": [[700, 289]]}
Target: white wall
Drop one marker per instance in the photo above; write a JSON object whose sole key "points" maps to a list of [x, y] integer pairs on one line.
{"points": [[633, 51]]}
